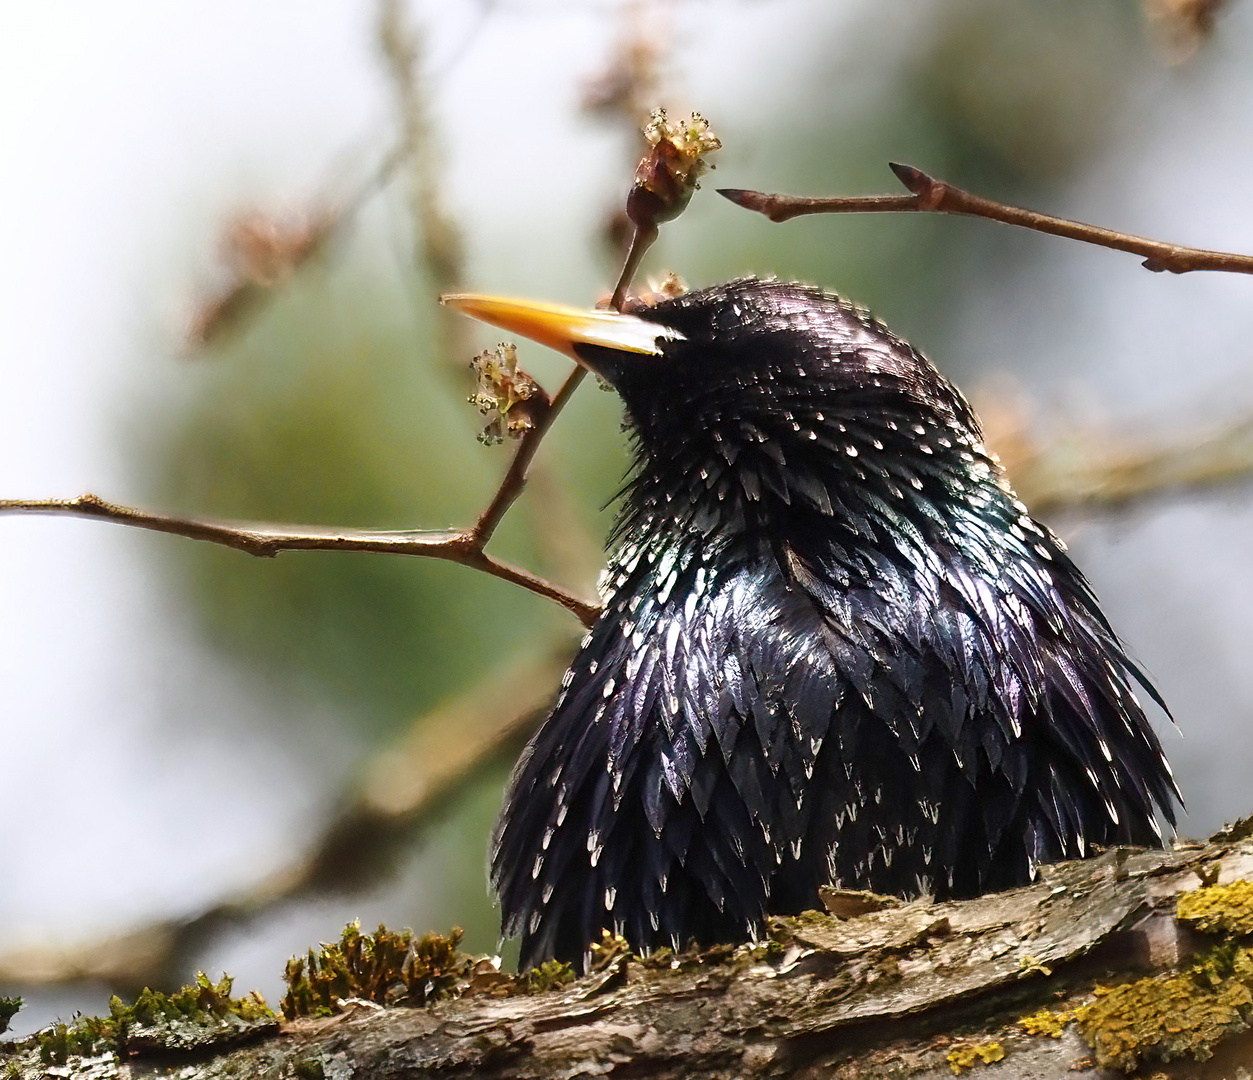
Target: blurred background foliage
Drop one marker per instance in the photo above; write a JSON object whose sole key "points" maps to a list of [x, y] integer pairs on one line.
{"points": [[330, 401], [333, 406]]}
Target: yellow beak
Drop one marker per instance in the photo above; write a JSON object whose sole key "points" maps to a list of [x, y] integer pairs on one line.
{"points": [[562, 328]]}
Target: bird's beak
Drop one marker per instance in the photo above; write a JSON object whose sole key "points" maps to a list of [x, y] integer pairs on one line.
{"points": [[564, 328]]}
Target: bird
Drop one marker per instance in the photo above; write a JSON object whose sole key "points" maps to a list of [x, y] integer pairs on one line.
{"points": [[835, 649]]}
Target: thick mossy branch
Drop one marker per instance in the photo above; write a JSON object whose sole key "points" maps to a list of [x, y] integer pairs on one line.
{"points": [[1038, 982], [198, 1017], [389, 968], [1188, 1013]]}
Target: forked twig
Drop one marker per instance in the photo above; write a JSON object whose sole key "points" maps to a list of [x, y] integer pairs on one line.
{"points": [[462, 546]]}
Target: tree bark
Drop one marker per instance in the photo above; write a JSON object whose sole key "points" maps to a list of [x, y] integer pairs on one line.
{"points": [[911, 990]]}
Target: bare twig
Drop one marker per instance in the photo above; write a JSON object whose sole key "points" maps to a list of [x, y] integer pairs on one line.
{"points": [[515, 478], [935, 196], [642, 238], [267, 540]]}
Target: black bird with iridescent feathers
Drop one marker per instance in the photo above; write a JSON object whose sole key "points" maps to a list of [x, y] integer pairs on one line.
{"points": [[835, 648]]}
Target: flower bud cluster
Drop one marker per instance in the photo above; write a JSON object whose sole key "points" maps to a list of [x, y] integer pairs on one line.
{"points": [[512, 400], [667, 175]]}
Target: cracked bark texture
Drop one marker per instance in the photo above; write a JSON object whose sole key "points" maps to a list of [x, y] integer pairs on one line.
{"points": [[885, 994]]}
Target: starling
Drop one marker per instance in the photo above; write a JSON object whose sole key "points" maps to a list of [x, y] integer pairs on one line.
{"points": [[835, 647]]}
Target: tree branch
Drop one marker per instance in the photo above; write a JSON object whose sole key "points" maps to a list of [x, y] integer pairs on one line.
{"points": [[935, 196], [267, 540], [665, 180], [908, 990]]}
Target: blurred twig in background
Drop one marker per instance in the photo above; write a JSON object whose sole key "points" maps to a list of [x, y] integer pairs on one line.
{"points": [[1095, 472], [439, 249], [629, 85], [405, 790], [1182, 26], [259, 251]]}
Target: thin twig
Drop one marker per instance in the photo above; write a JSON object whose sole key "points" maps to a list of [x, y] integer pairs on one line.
{"points": [[515, 478], [935, 196], [245, 295], [438, 244], [641, 240], [267, 540]]}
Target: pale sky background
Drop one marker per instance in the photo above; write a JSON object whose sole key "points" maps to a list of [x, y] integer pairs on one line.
{"points": [[129, 129]]}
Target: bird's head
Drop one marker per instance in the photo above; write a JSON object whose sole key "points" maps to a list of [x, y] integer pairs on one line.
{"points": [[755, 401]]}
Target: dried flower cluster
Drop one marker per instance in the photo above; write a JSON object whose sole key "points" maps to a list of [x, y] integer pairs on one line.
{"points": [[507, 395], [1182, 26], [665, 179], [667, 175]]}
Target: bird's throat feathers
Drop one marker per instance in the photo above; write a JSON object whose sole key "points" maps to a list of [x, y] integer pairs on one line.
{"points": [[783, 421]]}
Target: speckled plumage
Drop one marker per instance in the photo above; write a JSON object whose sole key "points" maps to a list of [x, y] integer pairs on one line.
{"points": [[835, 649]]}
